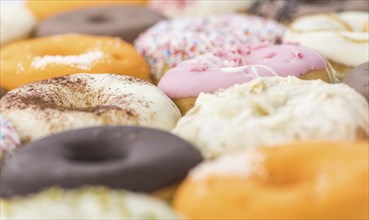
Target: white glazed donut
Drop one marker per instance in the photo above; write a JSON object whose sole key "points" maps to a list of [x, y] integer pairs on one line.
{"points": [[16, 22], [83, 100], [274, 110], [343, 37], [181, 8]]}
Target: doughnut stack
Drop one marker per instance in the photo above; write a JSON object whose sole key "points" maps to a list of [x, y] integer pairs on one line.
{"points": [[155, 109]]}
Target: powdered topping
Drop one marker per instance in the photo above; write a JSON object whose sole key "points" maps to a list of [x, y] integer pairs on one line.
{"points": [[238, 164], [84, 100], [172, 41], [83, 61], [209, 73], [274, 110], [9, 139]]}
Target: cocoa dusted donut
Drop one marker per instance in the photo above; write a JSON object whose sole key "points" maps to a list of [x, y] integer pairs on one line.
{"points": [[132, 158], [126, 22]]}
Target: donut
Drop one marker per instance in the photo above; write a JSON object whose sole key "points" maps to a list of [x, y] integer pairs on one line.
{"points": [[288, 10], [170, 42], [323, 32], [113, 21], [222, 69], [84, 100], [132, 158], [86, 203], [181, 8], [12, 29], [9, 139], [358, 79], [45, 9], [274, 110], [314, 178], [42, 58]]}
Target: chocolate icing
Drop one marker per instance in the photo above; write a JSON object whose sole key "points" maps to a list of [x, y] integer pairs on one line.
{"points": [[358, 79], [289, 10], [126, 22], [132, 158]]}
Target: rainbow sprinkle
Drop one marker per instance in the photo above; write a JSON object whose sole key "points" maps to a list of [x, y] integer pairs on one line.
{"points": [[172, 41], [9, 139]]}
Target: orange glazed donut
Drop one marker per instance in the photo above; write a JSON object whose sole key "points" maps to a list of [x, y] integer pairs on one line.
{"points": [[42, 58], [313, 180], [44, 9]]}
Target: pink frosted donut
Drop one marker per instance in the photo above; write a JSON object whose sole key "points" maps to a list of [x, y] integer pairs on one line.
{"points": [[220, 69], [9, 139], [172, 41]]}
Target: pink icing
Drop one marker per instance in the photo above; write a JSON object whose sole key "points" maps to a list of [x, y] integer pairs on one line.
{"points": [[209, 73]]}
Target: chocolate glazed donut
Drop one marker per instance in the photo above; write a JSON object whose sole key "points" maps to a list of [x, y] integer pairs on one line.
{"points": [[132, 158], [126, 22]]}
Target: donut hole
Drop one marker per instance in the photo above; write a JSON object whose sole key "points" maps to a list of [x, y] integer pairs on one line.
{"points": [[92, 152], [98, 19]]}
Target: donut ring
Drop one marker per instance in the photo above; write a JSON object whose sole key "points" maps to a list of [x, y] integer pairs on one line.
{"points": [[115, 21], [274, 110], [42, 58], [45, 9], [131, 158], [85, 100], [102, 203], [315, 177], [170, 42], [223, 69], [323, 32]]}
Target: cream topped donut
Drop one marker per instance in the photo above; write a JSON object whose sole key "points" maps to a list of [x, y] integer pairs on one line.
{"points": [[222, 69], [170, 42], [84, 100], [180, 8], [15, 28], [274, 110], [342, 37]]}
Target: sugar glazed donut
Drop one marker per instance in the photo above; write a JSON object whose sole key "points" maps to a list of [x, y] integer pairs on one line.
{"points": [[170, 42], [113, 21], [132, 158], [12, 29], [323, 32], [274, 110], [316, 178], [86, 203], [45, 9], [42, 58], [9, 139], [84, 100], [222, 69], [358, 79]]}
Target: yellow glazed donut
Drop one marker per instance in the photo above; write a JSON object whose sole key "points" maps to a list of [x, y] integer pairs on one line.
{"points": [[341, 37], [42, 58], [312, 180], [45, 9]]}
